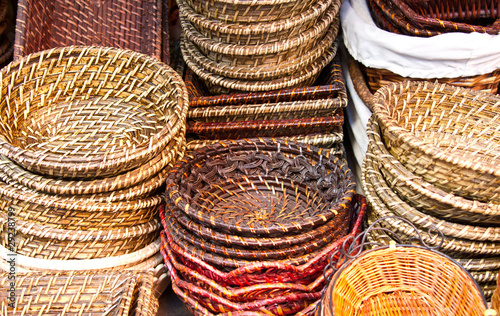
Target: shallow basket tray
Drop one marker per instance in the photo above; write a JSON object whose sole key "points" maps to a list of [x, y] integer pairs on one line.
{"points": [[118, 293], [256, 33], [336, 189], [445, 134], [52, 136], [265, 272], [403, 277], [249, 11], [424, 196], [141, 26]]}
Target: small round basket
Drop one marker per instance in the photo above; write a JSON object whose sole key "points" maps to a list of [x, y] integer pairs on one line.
{"points": [[447, 135], [267, 187], [84, 112], [385, 280]]}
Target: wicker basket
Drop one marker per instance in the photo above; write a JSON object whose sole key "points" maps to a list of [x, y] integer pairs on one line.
{"points": [[238, 11], [424, 196], [445, 134], [50, 136], [262, 72], [495, 299], [137, 25], [116, 293], [256, 33], [386, 280], [331, 190]]}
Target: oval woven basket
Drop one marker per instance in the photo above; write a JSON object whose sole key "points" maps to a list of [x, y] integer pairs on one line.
{"points": [[267, 71], [46, 242], [383, 206], [65, 117], [262, 54], [445, 134], [256, 33], [135, 183], [328, 178], [245, 11], [423, 195], [385, 279]]}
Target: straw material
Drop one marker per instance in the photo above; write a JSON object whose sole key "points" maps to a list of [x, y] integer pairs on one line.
{"points": [[51, 137], [249, 11], [328, 180], [116, 293], [267, 71], [444, 134], [424, 196], [332, 142], [256, 33], [137, 25], [387, 281]]}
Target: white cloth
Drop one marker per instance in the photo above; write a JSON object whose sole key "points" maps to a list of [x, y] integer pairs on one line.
{"points": [[447, 55]]}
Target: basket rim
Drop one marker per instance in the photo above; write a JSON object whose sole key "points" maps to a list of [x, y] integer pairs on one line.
{"points": [[387, 122], [393, 166], [265, 71], [262, 49], [155, 144], [272, 84], [200, 21], [228, 148]]}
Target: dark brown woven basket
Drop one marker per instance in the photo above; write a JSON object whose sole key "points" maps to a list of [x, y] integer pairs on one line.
{"points": [[138, 25], [453, 15], [292, 165], [54, 138], [267, 128]]}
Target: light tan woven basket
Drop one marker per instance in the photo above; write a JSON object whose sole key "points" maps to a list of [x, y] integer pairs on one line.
{"points": [[86, 112], [447, 135], [256, 33]]}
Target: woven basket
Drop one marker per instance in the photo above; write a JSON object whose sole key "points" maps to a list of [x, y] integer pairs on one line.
{"points": [[267, 128], [249, 11], [424, 196], [137, 183], [329, 85], [383, 206], [137, 25], [50, 136], [220, 84], [386, 280], [116, 293], [332, 142], [445, 134], [332, 185], [256, 33], [495, 299], [453, 15], [263, 72], [262, 54]]}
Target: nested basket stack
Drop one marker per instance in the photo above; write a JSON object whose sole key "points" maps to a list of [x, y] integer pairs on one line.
{"points": [[280, 44], [87, 136], [122, 293], [138, 25], [433, 159], [249, 225]]}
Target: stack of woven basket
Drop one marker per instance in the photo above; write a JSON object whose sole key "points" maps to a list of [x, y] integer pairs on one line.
{"points": [[433, 159], [86, 136], [250, 225], [258, 45]]}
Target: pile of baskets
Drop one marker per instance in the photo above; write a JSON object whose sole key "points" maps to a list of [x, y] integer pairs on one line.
{"points": [[250, 225], [258, 45], [433, 159], [138, 25], [312, 115], [429, 18], [87, 136], [123, 293]]}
